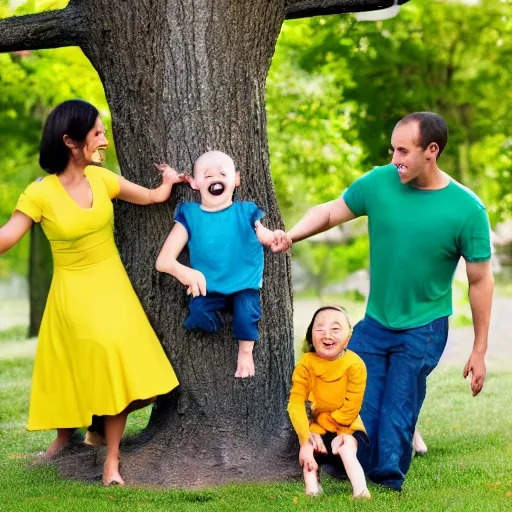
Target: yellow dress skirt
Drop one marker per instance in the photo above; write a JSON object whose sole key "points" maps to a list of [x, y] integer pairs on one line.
{"points": [[97, 351]]}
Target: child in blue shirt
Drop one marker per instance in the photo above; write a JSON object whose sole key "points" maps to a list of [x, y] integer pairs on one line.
{"points": [[225, 241]]}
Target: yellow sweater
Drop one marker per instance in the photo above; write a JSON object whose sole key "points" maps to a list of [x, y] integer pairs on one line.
{"points": [[336, 390]]}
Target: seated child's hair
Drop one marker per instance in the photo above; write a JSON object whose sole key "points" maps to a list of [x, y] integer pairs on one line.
{"points": [[307, 344]]}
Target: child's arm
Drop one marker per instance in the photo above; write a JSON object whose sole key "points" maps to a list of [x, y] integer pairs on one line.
{"points": [[297, 403], [167, 261], [14, 230], [133, 193], [265, 236]]}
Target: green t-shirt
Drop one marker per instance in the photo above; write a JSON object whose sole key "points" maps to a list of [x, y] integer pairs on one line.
{"points": [[416, 240]]}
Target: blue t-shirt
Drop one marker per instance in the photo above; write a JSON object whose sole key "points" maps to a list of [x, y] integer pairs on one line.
{"points": [[223, 245]]}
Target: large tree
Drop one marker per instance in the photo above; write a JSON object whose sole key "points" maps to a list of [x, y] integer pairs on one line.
{"points": [[182, 78]]}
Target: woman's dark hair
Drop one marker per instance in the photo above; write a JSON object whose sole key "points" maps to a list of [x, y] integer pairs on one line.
{"points": [[308, 341], [74, 118]]}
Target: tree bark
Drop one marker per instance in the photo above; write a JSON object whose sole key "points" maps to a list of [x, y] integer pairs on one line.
{"points": [[39, 275], [182, 78], [308, 8], [51, 29]]}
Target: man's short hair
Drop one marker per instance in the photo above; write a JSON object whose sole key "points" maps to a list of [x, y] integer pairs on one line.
{"points": [[432, 127]]}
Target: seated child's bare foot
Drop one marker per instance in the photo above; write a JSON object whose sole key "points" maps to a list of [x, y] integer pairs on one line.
{"points": [[418, 444], [245, 363], [111, 474], [94, 438], [313, 487], [363, 495]]}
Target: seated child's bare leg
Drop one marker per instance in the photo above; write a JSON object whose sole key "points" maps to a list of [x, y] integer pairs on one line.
{"points": [[312, 483], [245, 363], [418, 444], [355, 473]]}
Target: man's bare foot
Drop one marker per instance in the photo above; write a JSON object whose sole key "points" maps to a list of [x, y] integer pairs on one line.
{"points": [[94, 438], [420, 448], [111, 474], [245, 363], [363, 495]]}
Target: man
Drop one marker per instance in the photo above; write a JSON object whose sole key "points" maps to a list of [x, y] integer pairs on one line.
{"points": [[420, 223]]}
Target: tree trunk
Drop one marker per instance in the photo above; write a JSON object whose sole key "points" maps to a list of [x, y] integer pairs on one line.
{"points": [[39, 276], [213, 428]]}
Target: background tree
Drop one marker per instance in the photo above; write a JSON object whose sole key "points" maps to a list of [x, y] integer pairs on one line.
{"points": [[182, 78]]}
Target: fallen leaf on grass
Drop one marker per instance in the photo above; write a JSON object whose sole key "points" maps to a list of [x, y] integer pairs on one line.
{"points": [[295, 500], [508, 494], [13, 456], [495, 484]]}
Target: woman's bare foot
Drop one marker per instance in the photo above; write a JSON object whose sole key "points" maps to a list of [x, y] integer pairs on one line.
{"points": [[94, 438], [420, 448], [111, 474], [363, 495], [245, 363], [62, 439]]}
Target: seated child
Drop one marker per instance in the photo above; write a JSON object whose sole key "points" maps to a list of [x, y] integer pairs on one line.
{"points": [[226, 255], [333, 379]]}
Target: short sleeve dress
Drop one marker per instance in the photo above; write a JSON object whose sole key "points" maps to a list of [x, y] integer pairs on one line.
{"points": [[97, 351]]}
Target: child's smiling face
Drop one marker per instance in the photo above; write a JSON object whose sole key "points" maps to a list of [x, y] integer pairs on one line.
{"points": [[331, 333], [216, 179]]}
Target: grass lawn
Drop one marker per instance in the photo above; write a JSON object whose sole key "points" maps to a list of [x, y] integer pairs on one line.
{"points": [[468, 466]]}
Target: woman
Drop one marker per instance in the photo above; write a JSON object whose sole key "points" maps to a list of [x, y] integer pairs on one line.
{"points": [[97, 353]]}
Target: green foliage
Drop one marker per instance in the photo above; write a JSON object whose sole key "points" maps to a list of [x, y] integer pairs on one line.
{"points": [[328, 263], [31, 85], [447, 57]]}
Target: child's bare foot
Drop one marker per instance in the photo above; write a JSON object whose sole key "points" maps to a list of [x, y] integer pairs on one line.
{"points": [[363, 495], [94, 438], [420, 448], [245, 363], [111, 474], [313, 487]]}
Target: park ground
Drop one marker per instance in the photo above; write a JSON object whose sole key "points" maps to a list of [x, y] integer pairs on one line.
{"points": [[467, 467]]}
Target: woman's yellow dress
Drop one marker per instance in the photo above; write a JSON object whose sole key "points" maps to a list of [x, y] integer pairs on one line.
{"points": [[97, 351]]}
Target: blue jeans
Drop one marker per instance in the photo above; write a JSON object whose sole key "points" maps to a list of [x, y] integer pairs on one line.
{"points": [[398, 363], [206, 313]]}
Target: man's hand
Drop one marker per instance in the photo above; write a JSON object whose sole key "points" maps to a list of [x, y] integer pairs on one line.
{"points": [[194, 281], [476, 367], [317, 442], [282, 241], [306, 457]]}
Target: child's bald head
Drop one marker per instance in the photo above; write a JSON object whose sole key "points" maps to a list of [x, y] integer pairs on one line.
{"points": [[213, 159]]}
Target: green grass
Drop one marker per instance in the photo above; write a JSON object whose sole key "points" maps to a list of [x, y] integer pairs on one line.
{"points": [[467, 467]]}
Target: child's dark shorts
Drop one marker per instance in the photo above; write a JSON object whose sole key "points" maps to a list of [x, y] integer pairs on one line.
{"points": [[333, 463], [206, 313]]}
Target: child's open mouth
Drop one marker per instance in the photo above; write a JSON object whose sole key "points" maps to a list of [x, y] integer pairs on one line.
{"points": [[216, 189]]}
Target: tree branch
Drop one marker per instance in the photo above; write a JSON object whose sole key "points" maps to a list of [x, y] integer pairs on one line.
{"points": [[308, 8], [51, 29]]}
